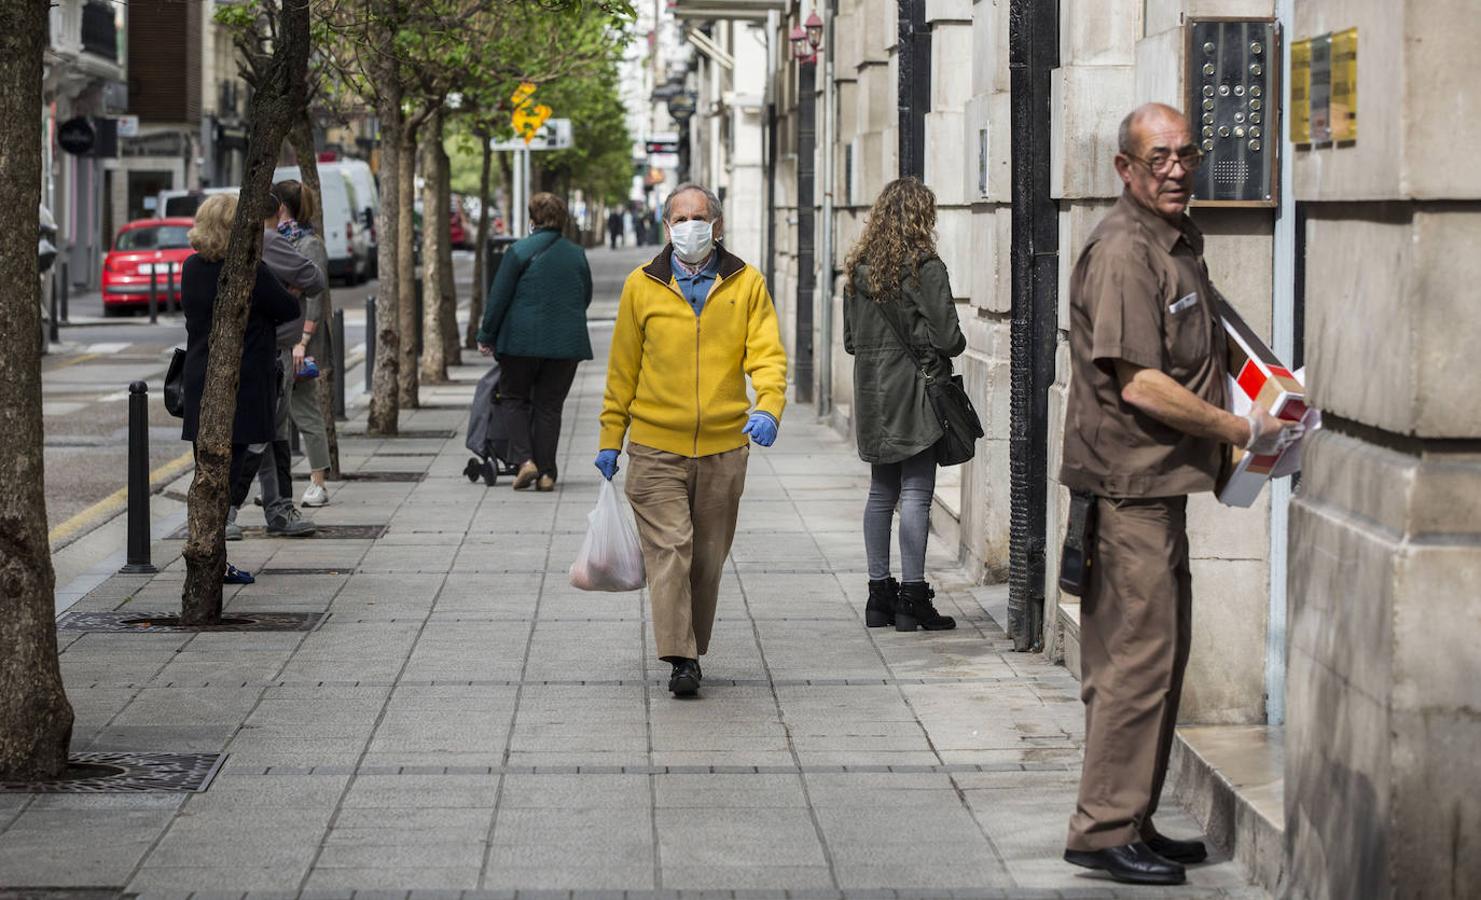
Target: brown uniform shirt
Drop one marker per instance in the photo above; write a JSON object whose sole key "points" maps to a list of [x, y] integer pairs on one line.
{"points": [[1140, 293]]}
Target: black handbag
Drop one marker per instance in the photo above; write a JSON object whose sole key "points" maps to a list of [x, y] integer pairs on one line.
{"points": [[960, 425], [175, 385]]}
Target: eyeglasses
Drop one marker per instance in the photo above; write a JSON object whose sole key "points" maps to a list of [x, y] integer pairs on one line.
{"points": [[1160, 163]]}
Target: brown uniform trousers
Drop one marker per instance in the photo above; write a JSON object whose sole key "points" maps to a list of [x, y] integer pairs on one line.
{"points": [[1135, 630], [686, 509]]}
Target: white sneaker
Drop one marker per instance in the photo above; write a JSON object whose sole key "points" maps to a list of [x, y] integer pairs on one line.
{"points": [[314, 495]]}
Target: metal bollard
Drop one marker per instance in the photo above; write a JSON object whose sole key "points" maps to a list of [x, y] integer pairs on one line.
{"points": [[138, 541], [337, 351], [170, 306], [370, 335], [66, 289], [153, 294], [55, 327]]}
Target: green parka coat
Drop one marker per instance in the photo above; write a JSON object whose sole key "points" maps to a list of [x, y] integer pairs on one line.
{"points": [[893, 419]]}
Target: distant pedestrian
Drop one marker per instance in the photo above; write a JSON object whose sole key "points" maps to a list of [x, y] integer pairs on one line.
{"points": [[1145, 426], [299, 205], [535, 324], [677, 392], [898, 291], [274, 469], [614, 227], [269, 306], [640, 225]]}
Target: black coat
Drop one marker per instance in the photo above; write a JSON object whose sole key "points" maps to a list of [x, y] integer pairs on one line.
{"points": [[257, 389], [893, 418]]}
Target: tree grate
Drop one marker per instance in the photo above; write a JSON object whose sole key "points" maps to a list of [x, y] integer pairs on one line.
{"points": [[136, 622], [127, 773], [321, 531]]}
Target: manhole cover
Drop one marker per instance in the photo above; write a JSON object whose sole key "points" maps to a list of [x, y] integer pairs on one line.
{"points": [[135, 622], [408, 477], [329, 532], [126, 773]]}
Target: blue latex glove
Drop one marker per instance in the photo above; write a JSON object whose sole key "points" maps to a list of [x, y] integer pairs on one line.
{"points": [[607, 463], [762, 429]]}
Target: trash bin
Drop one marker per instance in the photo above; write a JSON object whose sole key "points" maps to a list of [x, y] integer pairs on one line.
{"points": [[494, 252]]}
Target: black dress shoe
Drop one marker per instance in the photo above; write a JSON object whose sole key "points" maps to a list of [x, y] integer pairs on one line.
{"points": [[1177, 851], [685, 680], [1131, 863]]}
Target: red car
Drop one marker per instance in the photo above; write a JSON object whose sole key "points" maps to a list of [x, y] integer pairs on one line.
{"points": [[142, 246]]}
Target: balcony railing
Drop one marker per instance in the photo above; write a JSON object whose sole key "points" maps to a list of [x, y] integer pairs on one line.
{"points": [[99, 32]]}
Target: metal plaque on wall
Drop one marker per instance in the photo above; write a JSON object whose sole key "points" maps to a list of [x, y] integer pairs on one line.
{"points": [[1233, 78]]}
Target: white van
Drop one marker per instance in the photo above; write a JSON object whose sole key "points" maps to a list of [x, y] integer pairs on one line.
{"points": [[367, 198], [345, 237], [183, 204]]}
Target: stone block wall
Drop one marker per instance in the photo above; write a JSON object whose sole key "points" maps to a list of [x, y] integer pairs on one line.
{"points": [[1383, 797]]}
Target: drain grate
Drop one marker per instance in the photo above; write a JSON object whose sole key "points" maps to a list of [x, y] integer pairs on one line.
{"points": [[322, 531], [437, 433], [135, 622], [406, 477], [127, 773], [342, 570], [406, 453]]}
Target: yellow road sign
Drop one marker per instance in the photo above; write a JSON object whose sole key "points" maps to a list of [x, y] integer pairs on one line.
{"points": [[528, 118], [525, 90]]}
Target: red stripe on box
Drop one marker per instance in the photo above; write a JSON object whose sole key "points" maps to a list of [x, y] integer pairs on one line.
{"points": [[1294, 411], [1282, 372], [1251, 379]]}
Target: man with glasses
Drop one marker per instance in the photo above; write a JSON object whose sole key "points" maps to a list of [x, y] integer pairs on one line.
{"points": [[1146, 426]]}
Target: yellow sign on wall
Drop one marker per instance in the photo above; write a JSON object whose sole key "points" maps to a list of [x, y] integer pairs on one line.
{"points": [[1300, 117], [1345, 85]]}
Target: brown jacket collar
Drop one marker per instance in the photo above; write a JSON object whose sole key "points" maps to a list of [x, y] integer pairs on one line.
{"points": [[661, 268], [1164, 233]]}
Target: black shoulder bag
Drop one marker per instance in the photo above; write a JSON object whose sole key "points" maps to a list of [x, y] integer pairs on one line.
{"points": [[175, 385], [960, 426]]}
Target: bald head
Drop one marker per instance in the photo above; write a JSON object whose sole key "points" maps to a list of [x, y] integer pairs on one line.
{"points": [[1145, 118]]}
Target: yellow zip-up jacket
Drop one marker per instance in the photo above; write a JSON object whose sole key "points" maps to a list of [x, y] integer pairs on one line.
{"points": [[676, 381]]}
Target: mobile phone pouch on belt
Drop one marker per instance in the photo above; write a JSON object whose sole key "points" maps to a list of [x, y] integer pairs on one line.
{"points": [[1079, 543]]}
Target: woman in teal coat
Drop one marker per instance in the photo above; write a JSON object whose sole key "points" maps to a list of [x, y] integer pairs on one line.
{"points": [[534, 323]]}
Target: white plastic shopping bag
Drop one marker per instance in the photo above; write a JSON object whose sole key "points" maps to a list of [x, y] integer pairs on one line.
{"points": [[610, 558]]}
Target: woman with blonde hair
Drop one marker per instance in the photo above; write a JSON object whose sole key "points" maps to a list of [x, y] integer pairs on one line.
{"points": [[269, 306], [900, 325]]}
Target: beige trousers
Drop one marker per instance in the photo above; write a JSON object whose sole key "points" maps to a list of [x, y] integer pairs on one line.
{"points": [[1136, 624], [685, 509]]}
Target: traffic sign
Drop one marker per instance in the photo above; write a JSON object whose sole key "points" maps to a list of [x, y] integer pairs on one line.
{"points": [[528, 119], [555, 134]]}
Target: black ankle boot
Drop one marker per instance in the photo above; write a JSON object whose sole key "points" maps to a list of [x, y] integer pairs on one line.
{"points": [[915, 609], [883, 595]]}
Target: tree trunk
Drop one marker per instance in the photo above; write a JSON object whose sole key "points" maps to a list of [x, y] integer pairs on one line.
{"points": [[506, 169], [302, 140], [35, 717], [434, 363], [452, 351], [406, 377], [384, 405], [480, 245], [277, 104]]}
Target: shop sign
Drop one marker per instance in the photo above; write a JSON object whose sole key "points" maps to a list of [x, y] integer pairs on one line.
{"points": [[1344, 105], [1321, 89], [1301, 92]]}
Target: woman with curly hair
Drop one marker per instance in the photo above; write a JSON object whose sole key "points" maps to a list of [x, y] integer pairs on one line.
{"points": [[898, 293]]}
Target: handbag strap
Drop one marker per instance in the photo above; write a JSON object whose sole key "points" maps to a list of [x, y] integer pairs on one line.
{"points": [[538, 253], [899, 334]]}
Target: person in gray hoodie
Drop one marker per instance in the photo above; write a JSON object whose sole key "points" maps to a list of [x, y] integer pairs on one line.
{"points": [[300, 276]]}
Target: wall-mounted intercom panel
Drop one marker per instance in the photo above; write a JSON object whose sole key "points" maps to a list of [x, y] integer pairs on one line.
{"points": [[1234, 91]]}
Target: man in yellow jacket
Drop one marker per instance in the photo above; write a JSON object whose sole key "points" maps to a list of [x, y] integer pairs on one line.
{"points": [[692, 324]]}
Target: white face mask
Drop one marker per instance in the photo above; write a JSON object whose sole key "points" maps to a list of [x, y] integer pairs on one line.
{"points": [[693, 240]]}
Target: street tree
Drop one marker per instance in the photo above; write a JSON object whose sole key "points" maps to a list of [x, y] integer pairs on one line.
{"points": [[35, 717], [276, 68]]}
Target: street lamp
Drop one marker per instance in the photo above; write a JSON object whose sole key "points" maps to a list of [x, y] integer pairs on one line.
{"points": [[800, 49], [815, 31]]}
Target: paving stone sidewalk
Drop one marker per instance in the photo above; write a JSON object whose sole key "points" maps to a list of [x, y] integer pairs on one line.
{"points": [[462, 721]]}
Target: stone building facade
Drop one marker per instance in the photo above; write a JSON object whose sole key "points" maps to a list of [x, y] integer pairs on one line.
{"points": [[1335, 621]]}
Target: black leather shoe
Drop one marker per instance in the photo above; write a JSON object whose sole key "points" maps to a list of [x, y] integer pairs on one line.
{"points": [[1131, 863], [884, 596], [685, 680], [1178, 851]]}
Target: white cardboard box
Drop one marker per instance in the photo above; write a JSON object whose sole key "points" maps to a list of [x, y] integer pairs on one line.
{"points": [[1257, 376]]}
